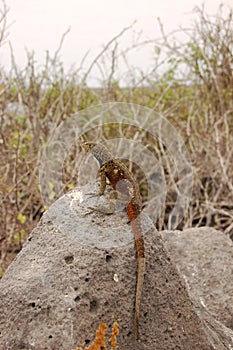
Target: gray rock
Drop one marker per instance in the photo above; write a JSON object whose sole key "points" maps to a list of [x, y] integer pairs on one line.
{"points": [[205, 259], [77, 271]]}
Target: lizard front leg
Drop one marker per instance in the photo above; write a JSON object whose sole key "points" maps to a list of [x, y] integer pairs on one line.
{"points": [[112, 197], [103, 181]]}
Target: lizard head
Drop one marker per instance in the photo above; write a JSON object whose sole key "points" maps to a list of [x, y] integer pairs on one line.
{"points": [[99, 151], [87, 146]]}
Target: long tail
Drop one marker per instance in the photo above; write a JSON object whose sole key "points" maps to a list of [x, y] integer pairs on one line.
{"points": [[140, 280], [133, 213]]}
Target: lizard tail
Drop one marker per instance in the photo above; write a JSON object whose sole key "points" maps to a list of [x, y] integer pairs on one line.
{"points": [[137, 230], [140, 279]]}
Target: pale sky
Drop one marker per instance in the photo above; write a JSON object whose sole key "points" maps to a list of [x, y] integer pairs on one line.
{"points": [[39, 24]]}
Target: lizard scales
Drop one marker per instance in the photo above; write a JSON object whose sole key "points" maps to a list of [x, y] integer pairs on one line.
{"points": [[123, 181]]}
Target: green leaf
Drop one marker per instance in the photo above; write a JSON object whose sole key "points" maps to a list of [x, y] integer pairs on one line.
{"points": [[21, 218]]}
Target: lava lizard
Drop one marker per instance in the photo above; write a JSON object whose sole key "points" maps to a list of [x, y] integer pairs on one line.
{"points": [[123, 183]]}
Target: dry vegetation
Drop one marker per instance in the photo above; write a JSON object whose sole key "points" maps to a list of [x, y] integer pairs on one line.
{"points": [[193, 91]]}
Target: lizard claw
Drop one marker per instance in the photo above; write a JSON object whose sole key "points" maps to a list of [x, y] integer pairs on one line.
{"points": [[94, 194], [89, 212], [101, 209]]}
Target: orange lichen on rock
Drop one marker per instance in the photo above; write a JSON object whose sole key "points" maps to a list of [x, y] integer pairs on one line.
{"points": [[100, 338], [115, 333], [99, 342]]}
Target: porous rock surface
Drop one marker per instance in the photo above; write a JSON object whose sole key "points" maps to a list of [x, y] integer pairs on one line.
{"points": [[204, 257], [77, 271]]}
